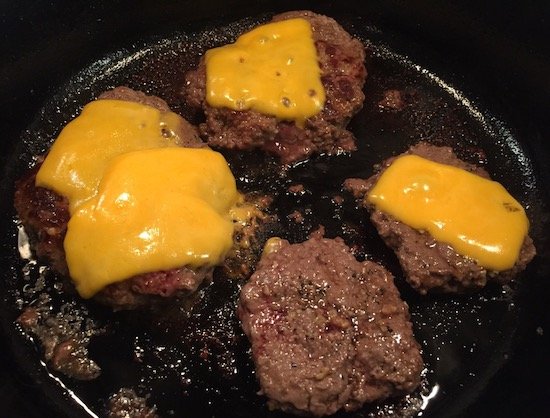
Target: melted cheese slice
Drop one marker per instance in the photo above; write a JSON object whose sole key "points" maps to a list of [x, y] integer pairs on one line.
{"points": [[475, 216], [106, 128], [155, 210], [272, 69], [139, 203]]}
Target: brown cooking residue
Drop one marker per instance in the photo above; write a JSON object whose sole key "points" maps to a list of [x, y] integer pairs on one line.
{"points": [[64, 337], [126, 403]]}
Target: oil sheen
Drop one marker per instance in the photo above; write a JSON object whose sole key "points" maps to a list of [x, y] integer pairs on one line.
{"points": [[474, 215], [272, 69]]}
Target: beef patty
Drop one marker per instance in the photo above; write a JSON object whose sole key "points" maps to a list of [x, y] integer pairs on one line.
{"points": [[430, 265], [327, 332], [343, 74], [45, 215]]}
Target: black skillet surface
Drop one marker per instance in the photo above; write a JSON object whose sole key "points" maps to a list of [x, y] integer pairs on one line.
{"points": [[486, 354]]}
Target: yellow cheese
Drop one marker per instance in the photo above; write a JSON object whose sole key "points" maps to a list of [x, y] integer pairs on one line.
{"points": [[272, 69], [106, 128], [475, 216], [272, 245], [139, 203], [243, 211], [155, 210]]}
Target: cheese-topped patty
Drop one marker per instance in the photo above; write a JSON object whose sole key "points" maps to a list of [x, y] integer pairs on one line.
{"points": [[476, 216], [272, 69], [155, 210], [139, 203], [439, 214], [104, 129], [289, 87]]}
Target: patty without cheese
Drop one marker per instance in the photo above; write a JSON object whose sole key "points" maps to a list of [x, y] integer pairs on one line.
{"points": [[327, 332]]}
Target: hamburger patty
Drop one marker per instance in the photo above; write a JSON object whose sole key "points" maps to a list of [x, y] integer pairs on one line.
{"points": [[343, 74], [45, 215], [430, 265], [327, 332]]}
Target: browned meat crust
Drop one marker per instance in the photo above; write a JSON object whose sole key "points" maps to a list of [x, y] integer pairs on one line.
{"points": [[45, 215], [327, 332], [341, 60], [429, 265]]}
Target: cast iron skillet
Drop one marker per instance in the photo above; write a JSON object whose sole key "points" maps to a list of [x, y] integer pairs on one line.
{"points": [[482, 68]]}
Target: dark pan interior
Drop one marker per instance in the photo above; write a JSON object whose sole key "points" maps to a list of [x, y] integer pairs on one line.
{"points": [[484, 352]]}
